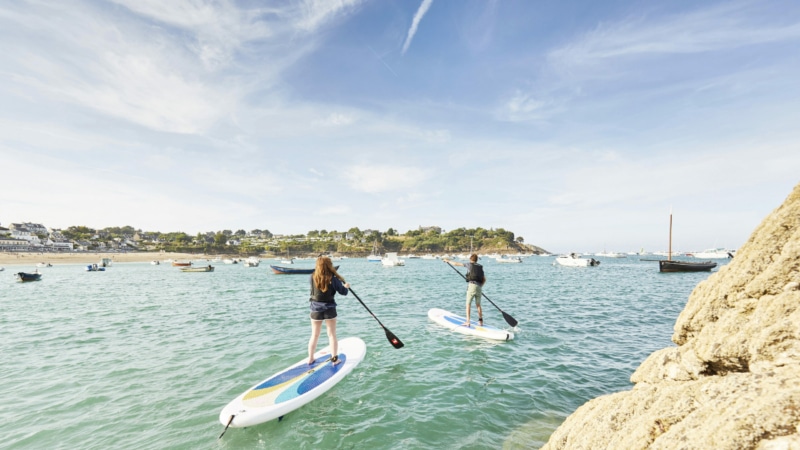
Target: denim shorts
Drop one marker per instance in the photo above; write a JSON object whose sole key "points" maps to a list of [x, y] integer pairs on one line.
{"points": [[322, 311]]}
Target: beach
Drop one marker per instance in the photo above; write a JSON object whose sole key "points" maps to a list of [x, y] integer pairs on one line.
{"points": [[13, 258]]}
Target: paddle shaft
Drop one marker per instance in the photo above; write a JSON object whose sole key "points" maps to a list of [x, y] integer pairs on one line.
{"points": [[394, 340], [510, 320]]}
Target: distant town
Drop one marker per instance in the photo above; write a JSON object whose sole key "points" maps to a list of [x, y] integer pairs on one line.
{"points": [[35, 237]]}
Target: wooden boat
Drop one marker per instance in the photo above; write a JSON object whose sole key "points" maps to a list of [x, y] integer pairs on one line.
{"points": [[197, 269], [181, 264], [278, 270], [682, 266], [685, 266], [23, 277]]}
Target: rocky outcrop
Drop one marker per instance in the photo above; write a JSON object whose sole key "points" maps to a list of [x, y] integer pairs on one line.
{"points": [[733, 381]]}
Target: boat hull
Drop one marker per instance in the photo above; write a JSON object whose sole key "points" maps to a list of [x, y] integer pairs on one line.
{"points": [[25, 277], [685, 266], [278, 270]]}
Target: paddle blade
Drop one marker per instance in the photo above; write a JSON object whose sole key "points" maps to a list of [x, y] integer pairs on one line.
{"points": [[394, 340], [510, 320]]}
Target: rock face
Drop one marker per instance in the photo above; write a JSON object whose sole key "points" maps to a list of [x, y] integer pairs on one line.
{"points": [[733, 381]]}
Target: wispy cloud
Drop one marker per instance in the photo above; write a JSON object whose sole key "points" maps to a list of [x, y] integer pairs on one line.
{"points": [[723, 27], [383, 178], [423, 8]]}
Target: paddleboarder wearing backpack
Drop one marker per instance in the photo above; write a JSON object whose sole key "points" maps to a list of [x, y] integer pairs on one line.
{"points": [[475, 281]]}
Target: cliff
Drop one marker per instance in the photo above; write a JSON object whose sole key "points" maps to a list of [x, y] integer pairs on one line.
{"points": [[733, 381]]}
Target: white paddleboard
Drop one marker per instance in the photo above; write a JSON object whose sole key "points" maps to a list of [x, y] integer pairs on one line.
{"points": [[293, 387], [457, 323]]}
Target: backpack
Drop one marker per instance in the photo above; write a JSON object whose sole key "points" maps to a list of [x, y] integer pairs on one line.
{"points": [[475, 273]]}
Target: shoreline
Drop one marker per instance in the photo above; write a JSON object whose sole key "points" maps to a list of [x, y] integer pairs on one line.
{"points": [[33, 258]]}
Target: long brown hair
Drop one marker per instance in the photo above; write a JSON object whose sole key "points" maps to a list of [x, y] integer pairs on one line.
{"points": [[323, 272]]}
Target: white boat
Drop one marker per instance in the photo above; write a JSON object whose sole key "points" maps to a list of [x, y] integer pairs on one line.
{"points": [[43, 264], [391, 259], [252, 262], [574, 260], [374, 256], [611, 254], [509, 259], [715, 253], [155, 262], [429, 256]]}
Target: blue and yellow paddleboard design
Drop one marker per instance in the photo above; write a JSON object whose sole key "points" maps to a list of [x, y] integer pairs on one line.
{"points": [[458, 324], [293, 387]]}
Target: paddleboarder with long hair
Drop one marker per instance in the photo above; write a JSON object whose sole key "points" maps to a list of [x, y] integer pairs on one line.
{"points": [[325, 283]]}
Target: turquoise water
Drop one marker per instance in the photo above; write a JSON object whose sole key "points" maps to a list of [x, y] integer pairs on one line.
{"points": [[144, 356]]}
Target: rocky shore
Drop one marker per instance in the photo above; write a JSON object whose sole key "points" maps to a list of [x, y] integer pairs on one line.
{"points": [[733, 381]]}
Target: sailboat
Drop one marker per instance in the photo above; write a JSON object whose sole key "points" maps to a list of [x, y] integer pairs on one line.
{"points": [[669, 265], [374, 257]]}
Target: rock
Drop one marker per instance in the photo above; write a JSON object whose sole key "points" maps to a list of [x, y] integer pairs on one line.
{"points": [[733, 381]]}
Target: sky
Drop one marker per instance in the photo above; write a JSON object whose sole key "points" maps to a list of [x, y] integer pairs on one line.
{"points": [[579, 126]]}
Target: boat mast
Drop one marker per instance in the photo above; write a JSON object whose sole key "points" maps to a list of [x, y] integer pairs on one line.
{"points": [[669, 253]]}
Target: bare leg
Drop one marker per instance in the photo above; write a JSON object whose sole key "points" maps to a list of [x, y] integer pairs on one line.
{"points": [[330, 325], [316, 327]]}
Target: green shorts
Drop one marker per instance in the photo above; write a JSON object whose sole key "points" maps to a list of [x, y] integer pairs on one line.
{"points": [[474, 292]]}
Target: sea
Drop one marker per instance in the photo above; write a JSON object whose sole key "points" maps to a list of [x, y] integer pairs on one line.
{"points": [[145, 356]]}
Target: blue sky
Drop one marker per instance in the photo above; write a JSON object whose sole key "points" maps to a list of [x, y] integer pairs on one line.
{"points": [[577, 125]]}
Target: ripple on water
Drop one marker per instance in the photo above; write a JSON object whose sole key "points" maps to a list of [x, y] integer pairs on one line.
{"points": [[144, 356]]}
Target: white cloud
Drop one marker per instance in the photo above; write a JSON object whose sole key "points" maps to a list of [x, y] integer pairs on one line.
{"points": [[723, 27], [378, 178], [423, 8]]}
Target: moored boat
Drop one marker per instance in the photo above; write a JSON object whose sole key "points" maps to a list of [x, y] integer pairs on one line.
{"points": [[391, 259], [714, 253], [685, 266], [208, 268], [94, 268], [575, 260], [671, 265], [278, 270], [252, 262], [508, 259], [181, 263], [24, 277]]}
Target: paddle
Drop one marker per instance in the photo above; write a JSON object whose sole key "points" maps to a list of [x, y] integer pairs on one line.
{"points": [[394, 340], [511, 321]]}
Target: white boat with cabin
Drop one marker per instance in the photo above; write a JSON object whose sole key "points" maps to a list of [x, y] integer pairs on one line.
{"points": [[575, 260], [391, 259], [715, 253]]}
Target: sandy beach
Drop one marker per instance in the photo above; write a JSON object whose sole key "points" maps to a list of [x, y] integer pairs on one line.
{"points": [[27, 258]]}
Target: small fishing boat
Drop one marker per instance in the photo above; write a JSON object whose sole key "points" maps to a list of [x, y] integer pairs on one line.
{"points": [[391, 259], [95, 268], [208, 268], [574, 260], [685, 266], [155, 262], [508, 259], [278, 270], [44, 264], [24, 277], [252, 262], [681, 266], [181, 263]]}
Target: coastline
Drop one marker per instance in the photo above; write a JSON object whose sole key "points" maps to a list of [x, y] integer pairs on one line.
{"points": [[32, 258]]}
